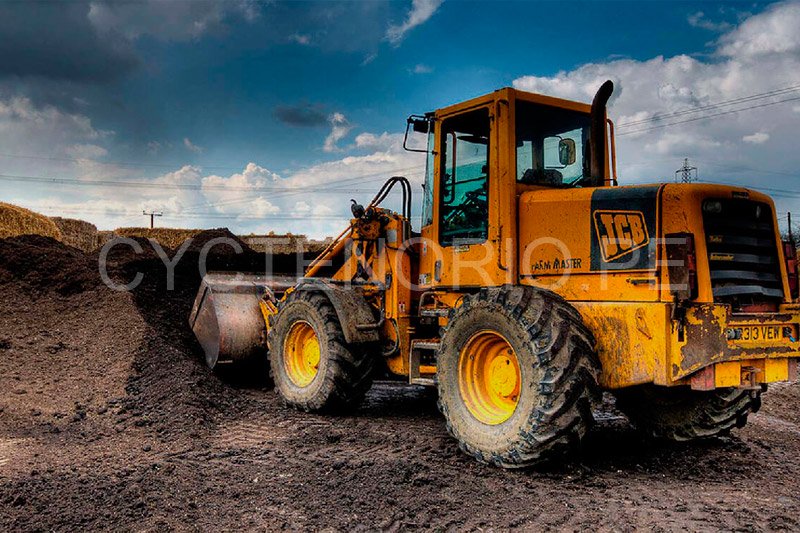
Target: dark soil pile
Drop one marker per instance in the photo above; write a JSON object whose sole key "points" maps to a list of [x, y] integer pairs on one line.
{"points": [[218, 241], [42, 264]]}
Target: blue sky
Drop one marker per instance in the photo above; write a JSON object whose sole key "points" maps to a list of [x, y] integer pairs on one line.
{"points": [[191, 93], [221, 90]]}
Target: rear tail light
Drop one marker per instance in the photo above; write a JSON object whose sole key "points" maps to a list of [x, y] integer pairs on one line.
{"points": [[681, 265], [790, 253]]}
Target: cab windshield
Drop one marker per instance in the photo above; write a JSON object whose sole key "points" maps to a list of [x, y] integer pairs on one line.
{"points": [[552, 146]]}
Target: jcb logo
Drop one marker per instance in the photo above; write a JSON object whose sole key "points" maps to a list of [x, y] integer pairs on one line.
{"points": [[620, 233]]}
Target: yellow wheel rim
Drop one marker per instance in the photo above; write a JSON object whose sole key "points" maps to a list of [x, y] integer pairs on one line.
{"points": [[301, 354], [489, 377]]}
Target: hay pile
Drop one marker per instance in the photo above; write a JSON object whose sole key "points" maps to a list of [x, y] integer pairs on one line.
{"points": [[77, 233], [287, 243], [16, 221], [103, 236], [166, 237]]}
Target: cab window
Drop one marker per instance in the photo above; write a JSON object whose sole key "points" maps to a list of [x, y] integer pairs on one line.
{"points": [[464, 206], [552, 146]]}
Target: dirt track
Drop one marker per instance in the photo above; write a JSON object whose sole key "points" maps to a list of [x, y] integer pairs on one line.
{"points": [[108, 420]]}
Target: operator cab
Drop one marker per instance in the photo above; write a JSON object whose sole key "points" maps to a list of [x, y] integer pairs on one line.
{"points": [[483, 153]]}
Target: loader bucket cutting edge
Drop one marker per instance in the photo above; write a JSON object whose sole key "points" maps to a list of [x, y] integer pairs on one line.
{"points": [[226, 318]]}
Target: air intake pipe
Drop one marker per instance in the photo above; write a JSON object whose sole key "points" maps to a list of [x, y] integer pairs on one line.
{"points": [[599, 143]]}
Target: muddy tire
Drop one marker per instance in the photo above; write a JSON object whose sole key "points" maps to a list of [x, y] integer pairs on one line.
{"points": [[313, 368], [557, 371], [681, 414]]}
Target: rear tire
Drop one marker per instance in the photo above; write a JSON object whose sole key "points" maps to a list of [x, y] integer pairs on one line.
{"points": [[334, 376], [682, 414], [549, 411]]}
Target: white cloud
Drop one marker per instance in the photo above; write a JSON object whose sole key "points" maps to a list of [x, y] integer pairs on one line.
{"points": [[21, 115], [756, 138], [699, 20], [340, 127], [252, 177], [41, 140], [421, 69], [260, 207], [254, 199], [242, 192], [372, 141], [762, 54], [681, 142], [300, 38], [86, 151], [171, 21], [191, 146], [302, 208], [302, 200], [774, 31], [421, 11]]}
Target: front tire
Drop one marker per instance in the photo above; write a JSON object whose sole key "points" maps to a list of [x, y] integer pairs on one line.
{"points": [[682, 414], [517, 373], [313, 368]]}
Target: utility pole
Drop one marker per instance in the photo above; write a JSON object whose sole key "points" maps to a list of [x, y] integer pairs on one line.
{"points": [[152, 215], [791, 236], [686, 172]]}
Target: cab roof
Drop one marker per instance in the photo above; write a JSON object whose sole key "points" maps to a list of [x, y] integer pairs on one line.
{"points": [[510, 94]]}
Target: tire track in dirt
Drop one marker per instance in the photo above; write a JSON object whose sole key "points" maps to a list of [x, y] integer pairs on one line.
{"points": [[11, 451], [778, 423]]}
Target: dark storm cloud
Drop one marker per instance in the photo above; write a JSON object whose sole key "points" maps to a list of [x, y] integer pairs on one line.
{"points": [[307, 115], [56, 40]]}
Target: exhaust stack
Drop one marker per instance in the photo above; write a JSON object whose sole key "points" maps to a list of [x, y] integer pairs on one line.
{"points": [[599, 142]]}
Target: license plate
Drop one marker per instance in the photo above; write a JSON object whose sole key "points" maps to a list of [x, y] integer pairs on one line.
{"points": [[755, 333]]}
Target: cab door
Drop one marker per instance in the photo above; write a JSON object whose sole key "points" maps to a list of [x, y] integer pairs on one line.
{"points": [[462, 245]]}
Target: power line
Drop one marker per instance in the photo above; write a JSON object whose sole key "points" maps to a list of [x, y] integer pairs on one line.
{"points": [[114, 163], [203, 187], [759, 96], [151, 185], [166, 165], [225, 216], [705, 117], [777, 193], [740, 167]]}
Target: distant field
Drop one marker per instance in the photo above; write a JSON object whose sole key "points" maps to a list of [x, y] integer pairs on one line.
{"points": [[15, 220]]}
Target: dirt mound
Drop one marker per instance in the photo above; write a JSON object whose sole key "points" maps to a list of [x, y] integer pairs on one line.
{"points": [[172, 239], [119, 251], [223, 242], [109, 421], [43, 264]]}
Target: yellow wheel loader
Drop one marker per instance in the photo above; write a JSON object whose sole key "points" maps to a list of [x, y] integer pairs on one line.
{"points": [[533, 283]]}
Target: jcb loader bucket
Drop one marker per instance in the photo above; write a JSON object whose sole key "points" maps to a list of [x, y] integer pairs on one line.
{"points": [[226, 317]]}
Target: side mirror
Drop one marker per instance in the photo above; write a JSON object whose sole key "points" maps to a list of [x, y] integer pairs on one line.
{"points": [[567, 154], [418, 124]]}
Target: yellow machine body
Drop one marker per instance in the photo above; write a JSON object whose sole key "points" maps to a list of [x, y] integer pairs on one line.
{"points": [[604, 248]]}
